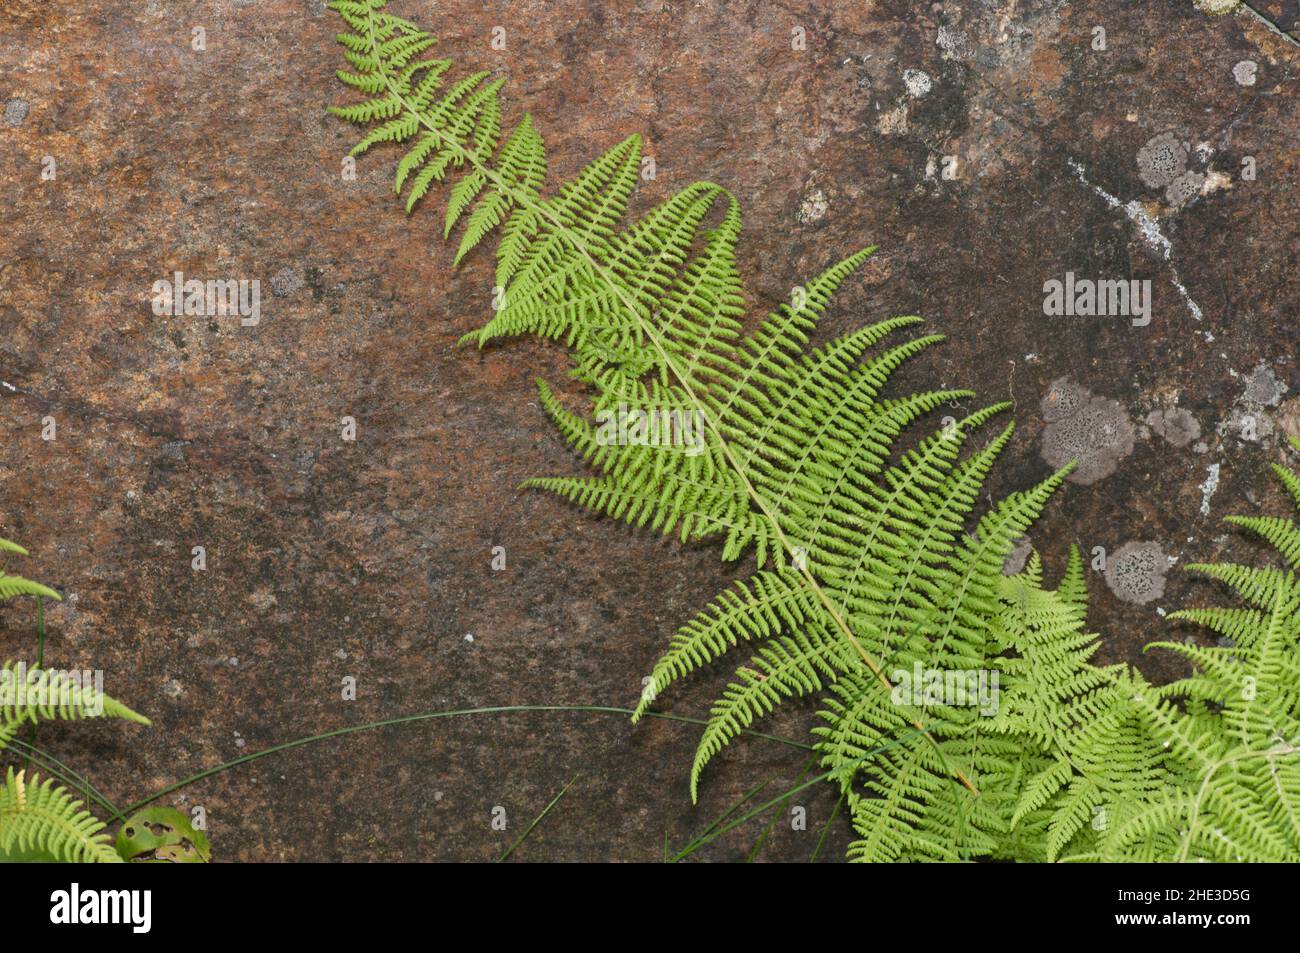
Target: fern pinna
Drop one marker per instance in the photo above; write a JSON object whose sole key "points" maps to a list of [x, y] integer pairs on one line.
{"points": [[864, 565], [12, 586]]}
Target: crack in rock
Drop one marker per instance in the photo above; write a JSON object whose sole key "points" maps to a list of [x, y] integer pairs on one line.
{"points": [[1148, 227]]}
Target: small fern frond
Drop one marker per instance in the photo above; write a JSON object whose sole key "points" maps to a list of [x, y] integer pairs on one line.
{"points": [[791, 666], [40, 820], [31, 695], [759, 608], [13, 586], [1281, 534]]}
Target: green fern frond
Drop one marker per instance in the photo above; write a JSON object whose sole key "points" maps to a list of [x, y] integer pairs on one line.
{"points": [[1214, 761], [40, 820], [13, 586], [792, 666], [794, 448], [1281, 534], [866, 577], [31, 695], [767, 604]]}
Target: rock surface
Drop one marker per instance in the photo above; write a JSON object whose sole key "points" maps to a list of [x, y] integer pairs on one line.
{"points": [[1024, 153]]}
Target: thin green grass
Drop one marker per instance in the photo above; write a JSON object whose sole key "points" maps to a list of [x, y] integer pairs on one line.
{"points": [[61, 772], [409, 719], [745, 799], [537, 820], [718, 828], [776, 815], [839, 805]]}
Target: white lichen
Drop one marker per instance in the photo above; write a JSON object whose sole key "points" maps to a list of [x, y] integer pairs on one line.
{"points": [[1208, 487], [917, 82]]}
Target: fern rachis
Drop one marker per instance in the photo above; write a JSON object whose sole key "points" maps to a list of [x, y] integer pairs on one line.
{"points": [[567, 247]]}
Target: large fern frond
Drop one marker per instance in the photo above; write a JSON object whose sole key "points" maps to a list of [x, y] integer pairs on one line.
{"points": [[791, 450], [867, 580]]}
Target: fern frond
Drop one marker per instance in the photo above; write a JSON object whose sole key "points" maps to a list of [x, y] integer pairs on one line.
{"points": [[41, 820], [31, 695], [791, 666], [13, 586], [1281, 534], [867, 578], [765, 605]]}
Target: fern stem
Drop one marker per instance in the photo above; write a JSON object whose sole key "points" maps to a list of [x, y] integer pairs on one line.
{"points": [[526, 200]]}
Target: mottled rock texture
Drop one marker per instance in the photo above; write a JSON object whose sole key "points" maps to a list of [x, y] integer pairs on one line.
{"points": [[372, 558]]}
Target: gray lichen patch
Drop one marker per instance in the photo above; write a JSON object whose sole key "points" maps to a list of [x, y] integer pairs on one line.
{"points": [[15, 111], [1064, 399], [1248, 423], [1136, 572], [954, 43], [1249, 419], [1168, 161], [1162, 159], [813, 206], [1175, 425], [1208, 488], [1263, 387], [1184, 188], [917, 82], [286, 282], [1094, 431]]}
